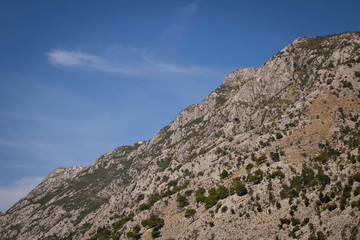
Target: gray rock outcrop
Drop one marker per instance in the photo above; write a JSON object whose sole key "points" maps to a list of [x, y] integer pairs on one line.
{"points": [[273, 153]]}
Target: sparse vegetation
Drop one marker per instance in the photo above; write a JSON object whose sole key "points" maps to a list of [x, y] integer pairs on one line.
{"points": [[156, 196], [155, 223], [214, 195], [190, 213], [224, 174], [256, 177], [229, 165], [135, 233], [120, 223], [240, 189], [182, 201]]}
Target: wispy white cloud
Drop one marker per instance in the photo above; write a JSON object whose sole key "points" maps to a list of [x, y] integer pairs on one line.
{"points": [[173, 68], [19, 189], [63, 58], [140, 62], [120, 59]]}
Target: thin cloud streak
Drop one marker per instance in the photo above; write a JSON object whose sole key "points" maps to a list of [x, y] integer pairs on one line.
{"points": [[120, 59], [141, 64], [62, 58]]}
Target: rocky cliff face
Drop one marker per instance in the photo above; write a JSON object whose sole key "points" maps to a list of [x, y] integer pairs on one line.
{"points": [[273, 153]]}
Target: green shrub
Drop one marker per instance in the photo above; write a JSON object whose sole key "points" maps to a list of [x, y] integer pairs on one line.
{"points": [[119, 224], [202, 151], [188, 193], [222, 192], [308, 176], [356, 177], [260, 159], [165, 178], [140, 197], [355, 204], [293, 190], [277, 173], [240, 189], [211, 200], [306, 179], [155, 233], [322, 178], [249, 166], [163, 164], [275, 156], [323, 157], [133, 235], [312, 237], [320, 235], [256, 177], [102, 234], [224, 174], [182, 201], [144, 206], [332, 207], [220, 100], [306, 221], [190, 213], [324, 199], [224, 209], [136, 228], [295, 221], [357, 191], [214, 195], [153, 222], [200, 197], [258, 206], [173, 183], [347, 84], [285, 221], [218, 206], [156, 197]]}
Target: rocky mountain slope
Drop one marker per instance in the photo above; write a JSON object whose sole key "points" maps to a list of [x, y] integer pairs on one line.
{"points": [[273, 153]]}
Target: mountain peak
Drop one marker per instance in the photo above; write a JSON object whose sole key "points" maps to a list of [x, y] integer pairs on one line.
{"points": [[274, 150]]}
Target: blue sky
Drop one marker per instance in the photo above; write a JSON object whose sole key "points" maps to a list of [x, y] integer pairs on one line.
{"points": [[78, 78]]}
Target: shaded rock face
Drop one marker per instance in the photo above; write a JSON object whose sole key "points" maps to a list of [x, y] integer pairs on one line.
{"points": [[273, 153]]}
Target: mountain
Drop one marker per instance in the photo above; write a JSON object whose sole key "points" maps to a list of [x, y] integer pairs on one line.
{"points": [[273, 153]]}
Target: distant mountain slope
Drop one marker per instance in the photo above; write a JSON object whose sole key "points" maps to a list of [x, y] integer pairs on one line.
{"points": [[273, 153]]}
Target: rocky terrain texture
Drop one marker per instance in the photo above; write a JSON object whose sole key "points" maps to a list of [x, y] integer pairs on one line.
{"points": [[273, 153]]}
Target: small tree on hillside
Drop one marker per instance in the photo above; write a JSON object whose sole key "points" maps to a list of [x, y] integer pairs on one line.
{"points": [[190, 213], [182, 201]]}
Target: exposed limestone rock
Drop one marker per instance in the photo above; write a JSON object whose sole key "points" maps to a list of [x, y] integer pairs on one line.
{"points": [[286, 132]]}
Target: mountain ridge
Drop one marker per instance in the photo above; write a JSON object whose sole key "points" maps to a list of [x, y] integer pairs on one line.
{"points": [[263, 126]]}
